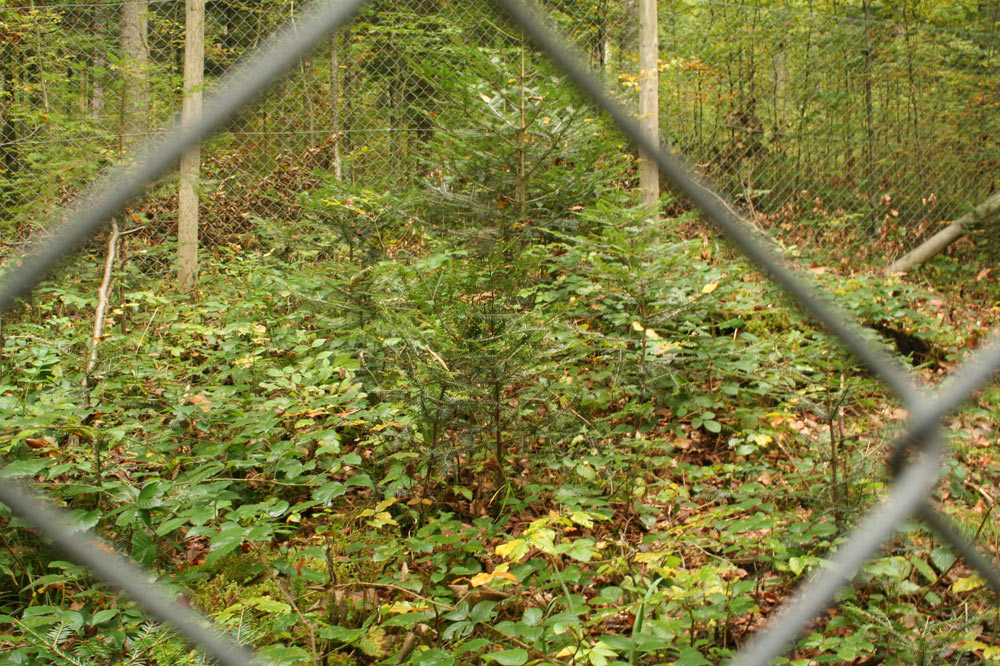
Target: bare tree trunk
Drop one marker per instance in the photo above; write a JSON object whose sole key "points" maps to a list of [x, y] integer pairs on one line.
{"points": [[869, 122], [649, 112], [338, 167], [8, 129], [135, 57], [187, 199], [946, 236], [98, 64]]}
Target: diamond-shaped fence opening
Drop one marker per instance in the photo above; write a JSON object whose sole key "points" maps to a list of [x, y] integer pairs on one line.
{"points": [[365, 110], [835, 120]]}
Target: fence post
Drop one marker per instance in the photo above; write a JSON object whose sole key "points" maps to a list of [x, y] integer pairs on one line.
{"points": [[649, 108], [187, 193]]}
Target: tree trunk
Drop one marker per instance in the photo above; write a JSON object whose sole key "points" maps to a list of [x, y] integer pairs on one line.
{"points": [[98, 64], [649, 112], [946, 236], [187, 196], [8, 129], [135, 61], [869, 122], [338, 169]]}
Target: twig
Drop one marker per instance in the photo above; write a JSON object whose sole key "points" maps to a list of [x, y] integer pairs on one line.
{"points": [[538, 654], [982, 524], [397, 588], [102, 300], [13, 554], [295, 607], [145, 330]]}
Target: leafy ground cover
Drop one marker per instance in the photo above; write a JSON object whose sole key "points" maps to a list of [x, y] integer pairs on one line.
{"points": [[601, 442]]}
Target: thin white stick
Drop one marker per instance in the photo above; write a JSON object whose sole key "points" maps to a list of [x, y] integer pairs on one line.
{"points": [[102, 299]]}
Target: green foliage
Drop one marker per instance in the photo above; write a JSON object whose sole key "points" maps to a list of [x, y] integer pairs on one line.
{"points": [[493, 413]]}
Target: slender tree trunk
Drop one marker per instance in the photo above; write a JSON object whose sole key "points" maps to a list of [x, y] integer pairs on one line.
{"points": [[522, 143], [135, 62], [347, 85], [869, 120], [187, 199], [39, 53], [98, 64], [8, 130], [338, 169], [649, 113]]}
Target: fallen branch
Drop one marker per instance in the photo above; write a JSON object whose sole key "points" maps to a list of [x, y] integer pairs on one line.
{"points": [[942, 239]]}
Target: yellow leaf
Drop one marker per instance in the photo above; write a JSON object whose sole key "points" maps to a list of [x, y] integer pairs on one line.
{"points": [[636, 326], [967, 584], [513, 550], [651, 334], [652, 556], [710, 287], [582, 518], [481, 579]]}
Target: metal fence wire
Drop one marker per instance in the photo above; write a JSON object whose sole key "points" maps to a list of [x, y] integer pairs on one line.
{"points": [[845, 122], [918, 453]]}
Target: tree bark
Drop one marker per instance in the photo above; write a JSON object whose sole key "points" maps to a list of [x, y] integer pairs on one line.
{"points": [[135, 62], [98, 64], [338, 169], [942, 239], [869, 122], [649, 112], [187, 195]]}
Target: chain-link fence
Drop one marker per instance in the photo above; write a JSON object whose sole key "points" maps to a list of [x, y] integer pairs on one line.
{"points": [[816, 126], [919, 446], [833, 127]]}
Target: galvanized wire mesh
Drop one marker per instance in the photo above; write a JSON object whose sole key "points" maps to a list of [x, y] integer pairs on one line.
{"points": [[814, 125], [918, 452], [829, 126]]}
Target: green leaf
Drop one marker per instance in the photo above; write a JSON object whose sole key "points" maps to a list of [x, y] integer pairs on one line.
{"points": [[143, 548], [942, 558], [23, 468], [433, 657], [514, 657], [168, 526], [482, 612], [532, 616], [224, 543], [471, 645], [691, 657], [148, 494], [103, 616], [269, 605], [925, 569]]}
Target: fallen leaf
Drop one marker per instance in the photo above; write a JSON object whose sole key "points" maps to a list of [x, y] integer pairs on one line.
{"points": [[201, 401]]}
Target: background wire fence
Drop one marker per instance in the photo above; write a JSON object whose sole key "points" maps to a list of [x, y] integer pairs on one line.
{"points": [[368, 153], [813, 125]]}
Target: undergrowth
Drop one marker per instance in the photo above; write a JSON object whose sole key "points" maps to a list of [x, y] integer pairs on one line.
{"points": [[607, 442]]}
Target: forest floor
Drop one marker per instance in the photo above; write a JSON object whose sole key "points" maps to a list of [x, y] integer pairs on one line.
{"points": [[614, 447]]}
